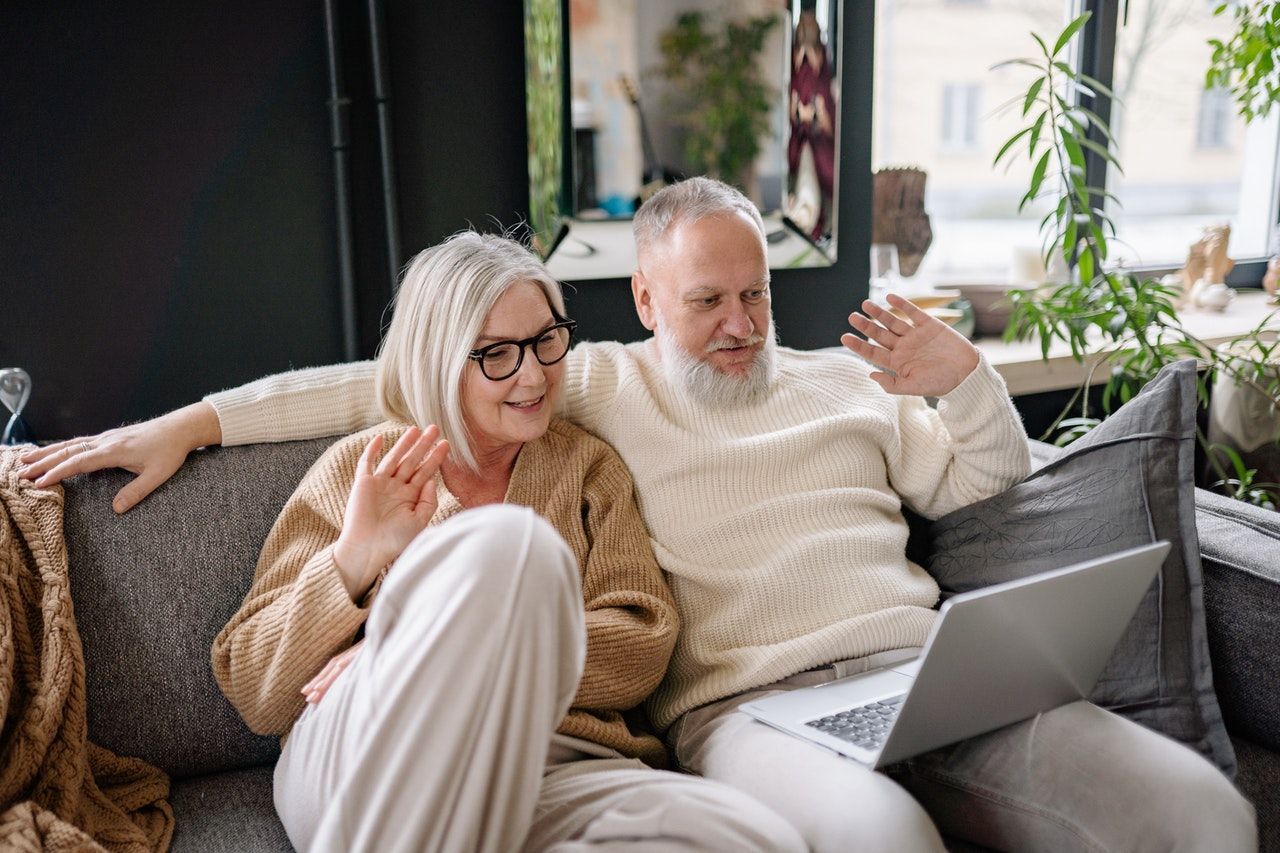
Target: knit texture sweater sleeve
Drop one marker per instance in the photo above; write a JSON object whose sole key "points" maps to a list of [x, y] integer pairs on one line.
{"points": [[630, 612], [336, 399], [297, 614], [971, 447]]}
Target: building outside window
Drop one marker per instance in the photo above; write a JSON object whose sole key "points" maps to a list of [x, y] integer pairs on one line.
{"points": [[1215, 118], [960, 115]]}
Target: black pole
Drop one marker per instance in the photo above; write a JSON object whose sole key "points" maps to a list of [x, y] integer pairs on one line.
{"points": [[382, 97], [1097, 59], [339, 121]]}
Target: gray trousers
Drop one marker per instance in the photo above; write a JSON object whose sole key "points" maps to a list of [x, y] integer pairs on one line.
{"points": [[1075, 778], [440, 734]]}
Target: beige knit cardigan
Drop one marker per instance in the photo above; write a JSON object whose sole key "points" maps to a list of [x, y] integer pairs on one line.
{"points": [[298, 614]]}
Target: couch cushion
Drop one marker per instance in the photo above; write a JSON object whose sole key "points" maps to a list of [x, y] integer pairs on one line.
{"points": [[153, 587], [1259, 781], [227, 813], [1240, 551], [1128, 482]]}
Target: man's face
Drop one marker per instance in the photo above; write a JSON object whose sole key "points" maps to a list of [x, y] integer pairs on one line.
{"points": [[704, 290]]}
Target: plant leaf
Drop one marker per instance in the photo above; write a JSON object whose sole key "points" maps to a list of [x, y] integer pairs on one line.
{"points": [[1037, 178], [1103, 153], [1009, 143], [1071, 30], [1040, 42], [1030, 100]]}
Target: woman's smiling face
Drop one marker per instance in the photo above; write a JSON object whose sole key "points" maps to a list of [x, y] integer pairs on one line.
{"points": [[519, 408]]}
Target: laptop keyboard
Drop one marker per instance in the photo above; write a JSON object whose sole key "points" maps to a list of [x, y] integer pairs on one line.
{"points": [[866, 726]]}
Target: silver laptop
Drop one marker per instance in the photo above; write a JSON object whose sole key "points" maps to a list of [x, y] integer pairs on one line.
{"points": [[995, 656]]}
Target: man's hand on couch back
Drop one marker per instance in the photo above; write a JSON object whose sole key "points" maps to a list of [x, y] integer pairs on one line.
{"points": [[153, 450]]}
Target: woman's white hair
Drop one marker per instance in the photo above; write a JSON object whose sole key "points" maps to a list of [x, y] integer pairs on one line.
{"points": [[688, 201], [445, 296]]}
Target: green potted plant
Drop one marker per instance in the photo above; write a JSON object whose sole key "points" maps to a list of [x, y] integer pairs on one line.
{"points": [[720, 97], [1246, 63], [1129, 322]]}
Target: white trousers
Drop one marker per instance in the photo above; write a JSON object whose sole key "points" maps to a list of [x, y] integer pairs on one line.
{"points": [[440, 734]]}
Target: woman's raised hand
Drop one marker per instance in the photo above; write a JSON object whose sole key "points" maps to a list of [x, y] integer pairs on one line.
{"points": [[391, 502]]}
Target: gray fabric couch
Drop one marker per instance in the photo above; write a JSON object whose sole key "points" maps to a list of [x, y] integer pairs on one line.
{"points": [[153, 587]]}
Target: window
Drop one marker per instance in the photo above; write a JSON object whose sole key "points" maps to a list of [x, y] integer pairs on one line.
{"points": [[1189, 160], [960, 115], [1215, 116], [935, 107]]}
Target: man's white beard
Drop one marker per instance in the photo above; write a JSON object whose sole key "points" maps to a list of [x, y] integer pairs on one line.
{"points": [[701, 381]]}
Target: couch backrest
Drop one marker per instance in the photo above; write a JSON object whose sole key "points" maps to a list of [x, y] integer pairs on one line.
{"points": [[153, 587]]}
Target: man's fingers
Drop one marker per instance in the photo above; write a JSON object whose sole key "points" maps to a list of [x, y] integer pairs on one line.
{"points": [[874, 330], [917, 315], [886, 381], [879, 356], [886, 318]]}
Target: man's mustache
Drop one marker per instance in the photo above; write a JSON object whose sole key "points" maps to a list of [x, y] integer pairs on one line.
{"points": [[734, 343]]}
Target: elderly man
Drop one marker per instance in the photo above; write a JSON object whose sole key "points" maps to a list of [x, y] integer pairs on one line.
{"points": [[772, 482]]}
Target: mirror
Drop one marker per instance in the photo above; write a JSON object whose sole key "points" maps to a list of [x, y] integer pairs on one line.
{"points": [[643, 93]]}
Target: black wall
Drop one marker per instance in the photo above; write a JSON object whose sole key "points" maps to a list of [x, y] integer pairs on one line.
{"points": [[167, 221]]}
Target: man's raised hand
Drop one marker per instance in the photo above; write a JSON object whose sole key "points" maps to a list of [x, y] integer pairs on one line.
{"points": [[918, 355]]}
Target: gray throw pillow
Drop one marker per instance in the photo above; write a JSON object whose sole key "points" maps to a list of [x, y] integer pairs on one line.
{"points": [[1128, 482]]}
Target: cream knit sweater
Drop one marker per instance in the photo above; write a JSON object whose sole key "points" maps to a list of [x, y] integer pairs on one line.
{"points": [[779, 523]]}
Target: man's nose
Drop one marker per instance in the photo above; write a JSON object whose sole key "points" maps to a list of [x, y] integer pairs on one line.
{"points": [[738, 324]]}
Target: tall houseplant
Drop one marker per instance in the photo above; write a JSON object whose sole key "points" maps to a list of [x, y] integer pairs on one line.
{"points": [[1128, 321], [721, 98]]}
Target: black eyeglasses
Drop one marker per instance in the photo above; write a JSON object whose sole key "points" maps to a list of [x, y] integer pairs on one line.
{"points": [[501, 360]]}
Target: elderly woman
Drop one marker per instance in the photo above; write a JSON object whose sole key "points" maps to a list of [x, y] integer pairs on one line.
{"points": [[484, 709]]}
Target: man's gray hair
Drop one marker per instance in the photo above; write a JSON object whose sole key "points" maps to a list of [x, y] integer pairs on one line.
{"points": [[445, 297], [688, 201]]}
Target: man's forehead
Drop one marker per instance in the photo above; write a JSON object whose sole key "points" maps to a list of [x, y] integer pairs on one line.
{"points": [[687, 261]]}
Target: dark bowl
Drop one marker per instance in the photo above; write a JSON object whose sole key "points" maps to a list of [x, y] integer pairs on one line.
{"points": [[991, 306]]}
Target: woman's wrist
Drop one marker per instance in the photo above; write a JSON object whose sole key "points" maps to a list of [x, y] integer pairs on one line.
{"points": [[352, 562]]}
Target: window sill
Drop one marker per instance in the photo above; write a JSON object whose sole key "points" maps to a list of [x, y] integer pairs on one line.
{"points": [[1025, 372]]}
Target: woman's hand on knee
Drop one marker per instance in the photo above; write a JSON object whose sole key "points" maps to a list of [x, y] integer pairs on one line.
{"points": [[153, 450], [391, 502], [315, 689]]}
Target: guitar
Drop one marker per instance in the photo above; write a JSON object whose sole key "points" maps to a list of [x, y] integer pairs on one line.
{"points": [[654, 177]]}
